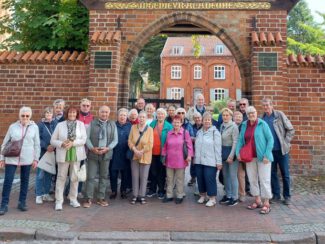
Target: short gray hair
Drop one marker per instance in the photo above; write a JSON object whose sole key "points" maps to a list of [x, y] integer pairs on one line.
{"points": [[58, 101], [85, 100], [143, 112], [207, 115], [267, 100], [197, 114], [250, 109], [122, 110], [246, 101], [199, 95], [132, 111], [104, 106], [180, 110], [48, 110], [161, 110], [25, 110]]}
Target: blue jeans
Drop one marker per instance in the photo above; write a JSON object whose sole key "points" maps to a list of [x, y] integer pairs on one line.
{"points": [[43, 182], [206, 179], [230, 179], [192, 170], [283, 162], [9, 178]]}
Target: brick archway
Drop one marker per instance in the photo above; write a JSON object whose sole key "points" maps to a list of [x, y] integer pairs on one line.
{"points": [[169, 20]]}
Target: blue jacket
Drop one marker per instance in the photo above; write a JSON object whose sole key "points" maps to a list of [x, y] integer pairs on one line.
{"points": [[263, 140], [188, 126], [119, 160], [46, 130]]}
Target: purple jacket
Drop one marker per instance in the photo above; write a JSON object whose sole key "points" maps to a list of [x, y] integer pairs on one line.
{"points": [[173, 149]]}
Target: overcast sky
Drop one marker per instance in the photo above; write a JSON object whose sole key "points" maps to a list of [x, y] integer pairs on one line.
{"points": [[318, 5]]}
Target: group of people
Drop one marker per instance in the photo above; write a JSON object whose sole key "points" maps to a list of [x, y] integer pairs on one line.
{"points": [[149, 148]]}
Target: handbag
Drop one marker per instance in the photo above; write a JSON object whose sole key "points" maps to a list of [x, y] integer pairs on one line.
{"points": [[129, 152], [246, 152], [13, 148], [47, 163], [80, 174], [185, 150]]}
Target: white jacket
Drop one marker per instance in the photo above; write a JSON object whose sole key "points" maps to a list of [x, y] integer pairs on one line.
{"points": [[60, 134], [31, 148]]}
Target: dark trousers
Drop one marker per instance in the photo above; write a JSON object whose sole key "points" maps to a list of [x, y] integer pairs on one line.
{"points": [[192, 170], [158, 175], [206, 179], [283, 162], [9, 178], [113, 177]]}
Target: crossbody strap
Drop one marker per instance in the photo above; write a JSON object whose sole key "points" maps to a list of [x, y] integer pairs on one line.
{"points": [[141, 134]]}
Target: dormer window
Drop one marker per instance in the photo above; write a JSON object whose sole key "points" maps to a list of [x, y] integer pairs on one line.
{"points": [[177, 50], [220, 48]]}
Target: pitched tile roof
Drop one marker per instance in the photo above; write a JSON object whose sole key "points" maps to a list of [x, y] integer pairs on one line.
{"points": [[104, 37], [304, 61], [43, 57], [208, 44], [266, 39]]}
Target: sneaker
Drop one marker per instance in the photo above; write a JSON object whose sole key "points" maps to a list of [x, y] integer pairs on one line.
{"points": [[151, 194], [58, 206], [75, 204], [167, 199], [287, 201], [178, 200], [87, 204], [3, 210], [113, 195], [22, 207], [232, 202], [161, 195], [48, 198], [201, 200], [211, 203], [224, 200], [39, 200]]}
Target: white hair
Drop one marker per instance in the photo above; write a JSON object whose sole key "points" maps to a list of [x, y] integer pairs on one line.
{"points": [[197, 114], [250, 109], [133, 110], [25, 110], [122, 110], [180, 110], [162, 111], [58, 101]]}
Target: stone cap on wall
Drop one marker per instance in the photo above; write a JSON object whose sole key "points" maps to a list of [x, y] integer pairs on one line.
{"points": [[106, 37], [33, 57], [307, 60], [266, 39]]}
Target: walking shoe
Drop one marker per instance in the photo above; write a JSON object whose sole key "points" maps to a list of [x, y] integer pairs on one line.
{"points": [[39, 200], [287, 201], [102, 202], [75, 204], [3, 210], [58, 206], [123, 195], [224, 200], [161, 195], [87, 204], [113, 195], [48, 198], [275, 199], [151, 194], [232, 202], [167, 199], [211, 203], [178, 200], [192, 181], [201, 200], [22, 207]]}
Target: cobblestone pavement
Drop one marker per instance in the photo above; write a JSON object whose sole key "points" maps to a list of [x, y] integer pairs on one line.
{"points": [[306, 214]]}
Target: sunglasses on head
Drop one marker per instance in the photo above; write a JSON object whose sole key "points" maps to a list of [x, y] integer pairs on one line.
{"points": [[25, 116], [181, 113]]}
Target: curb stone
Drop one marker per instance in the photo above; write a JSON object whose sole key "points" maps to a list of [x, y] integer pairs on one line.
{"points": [[126, 236], [320, 237], [55, 235], [215, 237], [8, 233], [296, 238]]}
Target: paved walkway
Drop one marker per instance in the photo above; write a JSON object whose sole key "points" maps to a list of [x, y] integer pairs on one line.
{"points": [[305, 215]]}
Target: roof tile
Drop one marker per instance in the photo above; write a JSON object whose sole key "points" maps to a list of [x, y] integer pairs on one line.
{"points": [[270, 39], [26, 56], [49, 57], [103, 37], [309, 60], [255, 39], [41, 57], [263, 38], [266, 39], [278, 38]]}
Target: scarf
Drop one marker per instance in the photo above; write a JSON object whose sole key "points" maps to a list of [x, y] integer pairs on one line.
{"points": [[101, 133], [72, 125]]}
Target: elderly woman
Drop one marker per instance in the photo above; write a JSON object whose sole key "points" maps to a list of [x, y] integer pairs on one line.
{"points": [[141, 143], [171, 112], [133, 116], [43, 178], [229, 135], [27, 130], [69, 139], [157, 169], [119, 162], [256, 134], [184, 121], [175, 160], [207, 160], [58, 106], [150, 110]]}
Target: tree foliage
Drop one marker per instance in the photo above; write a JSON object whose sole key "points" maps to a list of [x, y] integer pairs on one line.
{"points": [[45, 25], [304, 34]]}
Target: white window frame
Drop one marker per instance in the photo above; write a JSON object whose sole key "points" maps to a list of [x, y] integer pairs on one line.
{"points": [[177, 50], [176, 93], [197, 72], [176, 72], [219, 49], [219, 94], [219, 72]]}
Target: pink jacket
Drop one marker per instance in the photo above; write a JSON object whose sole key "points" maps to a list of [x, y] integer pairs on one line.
{"points": [[173, 149]]}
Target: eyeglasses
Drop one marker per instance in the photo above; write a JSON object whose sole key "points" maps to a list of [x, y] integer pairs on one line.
{"points": [[24, 116], [244, 104], [181, 113], [86, 105]]}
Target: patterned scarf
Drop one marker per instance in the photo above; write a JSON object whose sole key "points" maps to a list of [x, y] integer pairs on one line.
{"points": [[72, 125]]}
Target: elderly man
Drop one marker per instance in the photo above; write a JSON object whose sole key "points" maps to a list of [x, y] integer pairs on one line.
{"points": [[243, 104], [102, 137], [282, 132], [140, 105], [198, 107], [58, 106]]}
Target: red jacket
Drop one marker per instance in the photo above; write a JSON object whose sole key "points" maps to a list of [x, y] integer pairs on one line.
{"points": [[86, 119]]}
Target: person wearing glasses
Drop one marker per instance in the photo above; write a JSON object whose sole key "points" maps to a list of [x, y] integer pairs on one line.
{"points": [[198, 107], [243, 104], [58, 106], [185, 122], [256, 133], [85, 115], [29, 156]]}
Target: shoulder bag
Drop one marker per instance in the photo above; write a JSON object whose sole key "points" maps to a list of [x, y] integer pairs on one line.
{"points": [[246, 152], [13, 148], [185, 150]]}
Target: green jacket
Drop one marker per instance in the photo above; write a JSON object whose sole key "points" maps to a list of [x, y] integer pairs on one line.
{"points": [[263, 140], [167, 127]]}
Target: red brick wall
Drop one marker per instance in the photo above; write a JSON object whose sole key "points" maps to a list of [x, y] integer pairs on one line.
{"points": [[37, 86], [306, 111]]}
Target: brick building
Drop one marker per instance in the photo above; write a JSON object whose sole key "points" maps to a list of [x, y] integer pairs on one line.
{"points": [[213, 73]]}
